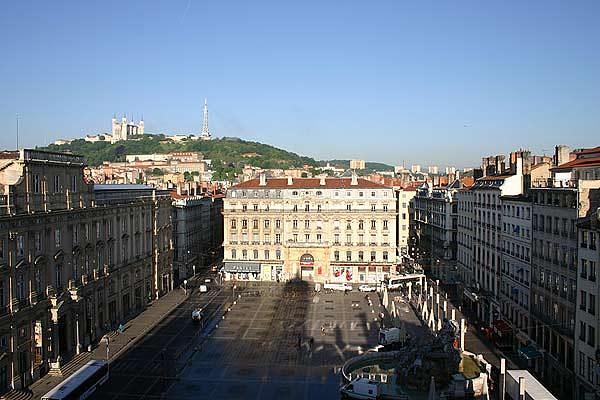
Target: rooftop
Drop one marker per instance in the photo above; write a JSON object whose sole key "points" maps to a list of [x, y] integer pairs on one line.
{"points": [[578, 163], [309, 183]]}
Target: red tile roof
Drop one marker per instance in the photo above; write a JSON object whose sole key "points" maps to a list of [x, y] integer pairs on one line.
{"points": [[309, 183], [578, 163], [588, 151]]}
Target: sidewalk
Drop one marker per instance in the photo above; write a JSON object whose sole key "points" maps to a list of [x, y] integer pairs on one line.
{"points": [[135, 329]]}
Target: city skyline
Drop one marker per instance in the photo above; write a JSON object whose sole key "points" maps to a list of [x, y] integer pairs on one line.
{"points": [[352, 78]]}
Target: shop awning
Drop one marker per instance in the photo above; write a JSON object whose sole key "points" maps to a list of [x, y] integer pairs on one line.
{"points": [[501, 327], [529, 352], [241, 267]]}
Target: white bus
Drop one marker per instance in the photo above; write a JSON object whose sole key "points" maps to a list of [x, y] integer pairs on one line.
{"points": [[82, 383]]}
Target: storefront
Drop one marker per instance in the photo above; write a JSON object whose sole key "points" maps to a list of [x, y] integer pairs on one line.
{"points": [[242, 271], [307, 267]]}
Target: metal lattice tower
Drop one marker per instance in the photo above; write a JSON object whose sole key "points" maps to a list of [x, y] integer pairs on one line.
{"points": [[205, 132]]}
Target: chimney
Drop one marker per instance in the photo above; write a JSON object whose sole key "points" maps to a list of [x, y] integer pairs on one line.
{"points": [[322, 181], [263, 179], [354, 180], [290, 182]]}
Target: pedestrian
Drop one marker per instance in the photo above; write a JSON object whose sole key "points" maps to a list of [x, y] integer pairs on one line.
{"points": [[322, 330]]}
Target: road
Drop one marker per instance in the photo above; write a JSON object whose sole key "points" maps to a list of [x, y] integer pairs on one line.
{"points": [[148, 369]]}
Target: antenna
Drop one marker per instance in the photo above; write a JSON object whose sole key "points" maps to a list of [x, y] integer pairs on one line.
{"points": [[17, 131]]}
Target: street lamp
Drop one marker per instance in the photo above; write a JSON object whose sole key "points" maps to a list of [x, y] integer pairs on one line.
{"points": [[107, 341]]}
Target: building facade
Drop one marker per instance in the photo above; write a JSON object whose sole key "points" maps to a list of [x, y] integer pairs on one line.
{"points": [[515, 273], [322, 230], [73, 261], [436, 223], [405, 196], [197, 234], [587, 355]]}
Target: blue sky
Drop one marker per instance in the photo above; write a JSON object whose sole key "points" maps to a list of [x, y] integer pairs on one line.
{"points": [[440, 82]]}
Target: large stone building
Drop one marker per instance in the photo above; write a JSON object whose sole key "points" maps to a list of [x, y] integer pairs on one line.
{"points": [[587, 356], [515, 273], [405, 196], [197, 233], [327, 229], [435, 225], [563, 317], [74, 260], [123, 130]]}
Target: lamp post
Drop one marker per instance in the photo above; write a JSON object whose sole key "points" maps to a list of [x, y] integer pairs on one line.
{"points": [[107, 341]]}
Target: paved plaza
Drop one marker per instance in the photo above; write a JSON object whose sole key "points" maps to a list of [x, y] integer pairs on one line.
{"points": [[254, 352]]}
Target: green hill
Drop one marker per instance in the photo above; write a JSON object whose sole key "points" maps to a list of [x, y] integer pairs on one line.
{"points": [[228, 155]]}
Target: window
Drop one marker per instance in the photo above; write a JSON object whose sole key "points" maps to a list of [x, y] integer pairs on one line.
{"points": [[372, 207], [36, 183], [373, 256], [57, 237], [306, 224], [267, 254], [319, 207], [244, 207], [277, 224], [583, 299], [278, 238], [348, 239], [385, 224], [255, 207], [319, 237], [233, 255], [307, 207], [74, 183], [373, 224], [255, 224], [307, 237], [591, 340], [361, 224], [233, 224], [244, 224], [336, 255], [245, 254], [56, 186], [255, 254], [348, 207], [592, 271], [592, 304], [385, 207], [20, 246], [267, 223], [336, 239], [295, 207], [278, 254], [295, 224], [37, 242], [361, 256], [295, 237], [385, 256], [348, 256]]}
